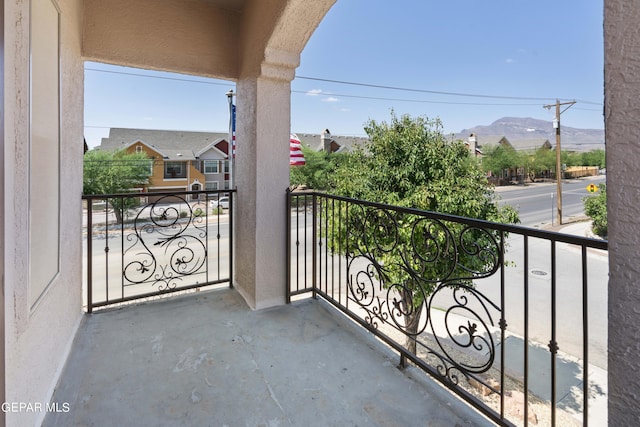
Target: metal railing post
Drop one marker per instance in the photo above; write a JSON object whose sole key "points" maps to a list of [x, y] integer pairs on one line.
{"points": [[231, 245], [314, 242], [89, 255], [288, 247]]}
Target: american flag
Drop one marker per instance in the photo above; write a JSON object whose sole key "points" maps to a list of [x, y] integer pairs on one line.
{"points": [[296, 158]]}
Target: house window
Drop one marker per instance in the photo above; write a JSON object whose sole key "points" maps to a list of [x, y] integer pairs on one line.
{"points": [[226, 184], [150, 162], [138, 148], [211, 186], [226, 166], [210, 166], [175, 170]]}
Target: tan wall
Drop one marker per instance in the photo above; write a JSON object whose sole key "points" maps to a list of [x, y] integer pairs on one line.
{"points": [[622, 133], [195, 174], [38, 337], [580, 171], [157, 175], [184, 36]]}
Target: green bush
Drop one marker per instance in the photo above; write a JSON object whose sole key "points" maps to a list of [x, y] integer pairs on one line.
{"points": [[596, 208]]}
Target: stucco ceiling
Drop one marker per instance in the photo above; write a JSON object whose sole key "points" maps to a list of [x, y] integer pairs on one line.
{"points": [[228, 4]]}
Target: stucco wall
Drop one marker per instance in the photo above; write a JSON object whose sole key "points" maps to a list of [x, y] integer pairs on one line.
{"points": [[184, 36], [39, 337], [622, 131]]}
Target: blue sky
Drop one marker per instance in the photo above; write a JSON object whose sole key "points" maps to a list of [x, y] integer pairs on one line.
{"points": [[517, 55]]}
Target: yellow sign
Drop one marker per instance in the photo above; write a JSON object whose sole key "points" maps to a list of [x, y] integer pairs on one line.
{"points": [[592, 188]]}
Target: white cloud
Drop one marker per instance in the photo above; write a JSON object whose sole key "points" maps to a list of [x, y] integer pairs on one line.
{"points": [[510, 60], [331, 99], [314, 92]]}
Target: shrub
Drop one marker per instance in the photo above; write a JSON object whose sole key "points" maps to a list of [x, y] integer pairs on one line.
{"points": [[596, 208]]}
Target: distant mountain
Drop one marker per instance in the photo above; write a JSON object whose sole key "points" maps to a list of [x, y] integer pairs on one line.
{"points": [[519, 128]]}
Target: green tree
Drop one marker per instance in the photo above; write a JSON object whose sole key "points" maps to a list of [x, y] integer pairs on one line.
{"points": [[409, 162], [541, 161], [498, 158], [594, 158], [111, 172], [317, 172], [596, 208]]}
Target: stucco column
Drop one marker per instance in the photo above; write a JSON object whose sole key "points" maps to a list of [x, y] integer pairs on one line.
{"points": [[622, 127], [262, 176]]}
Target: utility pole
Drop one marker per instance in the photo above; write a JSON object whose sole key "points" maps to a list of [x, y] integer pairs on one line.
{"points": [[556, 126]]}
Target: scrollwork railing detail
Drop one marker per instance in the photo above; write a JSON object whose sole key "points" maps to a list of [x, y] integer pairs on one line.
{"points": [[168, 242], [401, 263]]}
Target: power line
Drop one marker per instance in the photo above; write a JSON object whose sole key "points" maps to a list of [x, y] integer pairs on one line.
{"points": [[472, 95], [159, 77], [411, 100], [414, 90]]}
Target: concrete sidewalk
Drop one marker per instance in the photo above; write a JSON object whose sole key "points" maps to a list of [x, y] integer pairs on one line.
{"points": [[569, 369]]}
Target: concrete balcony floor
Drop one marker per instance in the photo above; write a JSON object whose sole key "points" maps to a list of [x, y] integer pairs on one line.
{"points": [[206, 359]]}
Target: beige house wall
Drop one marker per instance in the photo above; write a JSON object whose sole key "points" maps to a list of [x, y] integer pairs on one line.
{"points": [[622, 134], [38, 337], [195, 175], [184, 36]]}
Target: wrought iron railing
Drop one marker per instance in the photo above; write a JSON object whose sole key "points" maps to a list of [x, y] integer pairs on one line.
{"points": [[458, 296], [149, 244]]}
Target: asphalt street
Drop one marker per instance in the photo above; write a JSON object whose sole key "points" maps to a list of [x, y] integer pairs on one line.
{"points": [[537, 203]]}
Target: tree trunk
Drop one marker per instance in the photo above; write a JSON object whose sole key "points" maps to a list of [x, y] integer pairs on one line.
{"points": [[117, 210], [412, 321]]}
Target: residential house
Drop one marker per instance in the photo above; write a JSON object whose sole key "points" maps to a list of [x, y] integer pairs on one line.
{"points": [[330, 143], [472, 145], [257, 45], [514, 174], [478, 143], [182, 161], [530, 144]]}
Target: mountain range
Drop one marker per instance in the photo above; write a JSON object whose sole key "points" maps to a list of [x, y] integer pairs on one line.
{"points": [[518, 128]]}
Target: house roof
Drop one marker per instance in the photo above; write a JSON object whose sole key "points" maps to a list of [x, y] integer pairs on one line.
{"points": [[517, 144], [215, 145], [492, 140], [347, 143], [184, 145], [530, 144], [173, 145]]}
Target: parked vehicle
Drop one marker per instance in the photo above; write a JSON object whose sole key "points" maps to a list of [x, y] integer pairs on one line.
{"points": [[222, 202]]}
